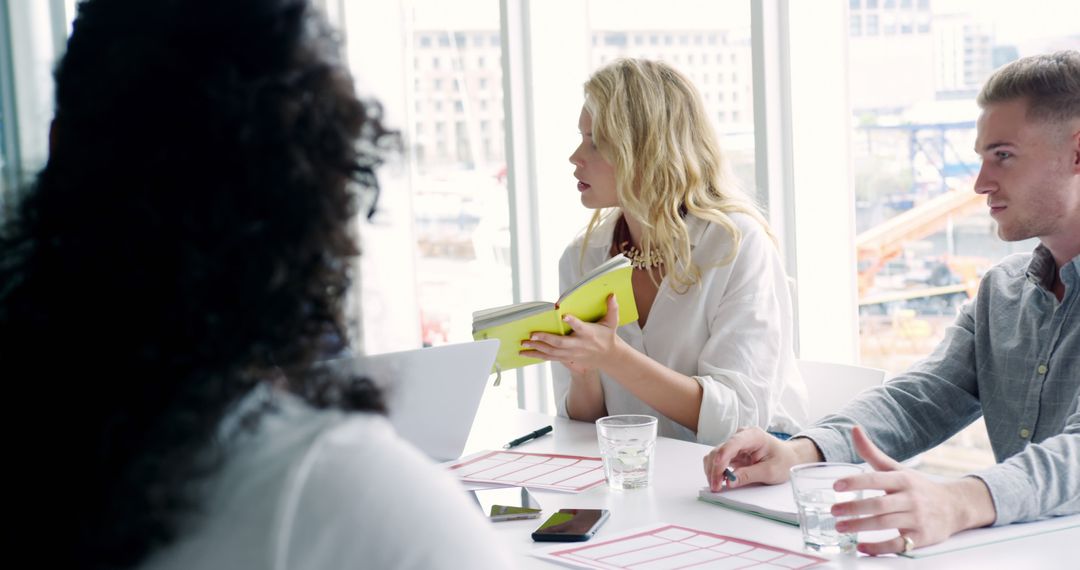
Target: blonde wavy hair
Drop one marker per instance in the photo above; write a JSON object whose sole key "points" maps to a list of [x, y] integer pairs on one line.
{"points": [[649, 123]]}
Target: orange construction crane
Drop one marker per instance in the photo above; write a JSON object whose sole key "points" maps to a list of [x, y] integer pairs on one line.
{"points": [[879, 244]]}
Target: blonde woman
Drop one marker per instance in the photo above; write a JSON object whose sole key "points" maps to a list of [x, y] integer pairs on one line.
{"points": [[711, 351]]}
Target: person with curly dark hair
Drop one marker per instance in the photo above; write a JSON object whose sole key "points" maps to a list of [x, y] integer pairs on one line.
{"points": [[165, 288]]}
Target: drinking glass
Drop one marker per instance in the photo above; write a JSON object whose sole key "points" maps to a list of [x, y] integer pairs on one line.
{"points": [[812, 484], [626, 447]]}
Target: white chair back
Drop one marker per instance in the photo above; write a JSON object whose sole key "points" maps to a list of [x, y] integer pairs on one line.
{"points": [[830, 385]]}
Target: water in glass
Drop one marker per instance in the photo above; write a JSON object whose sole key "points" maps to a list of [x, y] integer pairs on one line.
{"points": [[626, 446], [627, 463], [812, 484], [818, 523]]}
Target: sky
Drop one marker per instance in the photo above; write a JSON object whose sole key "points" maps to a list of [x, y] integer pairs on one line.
{"points": [[1011, 23], [1019, 22]]}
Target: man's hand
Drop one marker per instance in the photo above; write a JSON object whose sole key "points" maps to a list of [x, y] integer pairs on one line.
{"points": [[588, 347], [757, 457], [924, 511]]}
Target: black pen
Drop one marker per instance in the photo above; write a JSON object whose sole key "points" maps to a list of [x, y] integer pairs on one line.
{"points": [[527, 437]]}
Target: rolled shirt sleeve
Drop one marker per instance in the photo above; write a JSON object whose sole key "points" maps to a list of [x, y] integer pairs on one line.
{"points": [[1040, 481], [1011, 356], [731, 333], [914, 411]]}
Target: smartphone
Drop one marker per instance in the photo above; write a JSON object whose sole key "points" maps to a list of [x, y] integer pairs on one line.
{"points": [[571, 525], [507, 503]]}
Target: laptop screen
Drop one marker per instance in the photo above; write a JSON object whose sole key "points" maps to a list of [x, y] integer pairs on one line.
{"points": [[432, 394]]}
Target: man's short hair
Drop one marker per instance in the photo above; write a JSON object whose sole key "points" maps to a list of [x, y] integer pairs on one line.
{"points": [[1049, 82]]}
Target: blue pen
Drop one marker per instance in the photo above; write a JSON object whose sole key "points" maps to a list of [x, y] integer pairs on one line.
{"points": [[729, 474]]}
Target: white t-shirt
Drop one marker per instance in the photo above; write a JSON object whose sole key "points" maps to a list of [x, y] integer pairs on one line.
{"points": [[321, 489], [732, 333]]}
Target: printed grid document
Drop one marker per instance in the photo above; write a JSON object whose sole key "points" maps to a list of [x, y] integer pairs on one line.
{"points": [[667, 547], [570, 473]]}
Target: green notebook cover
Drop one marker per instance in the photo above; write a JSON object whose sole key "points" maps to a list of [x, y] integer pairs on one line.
{"points": [[586, 300]]}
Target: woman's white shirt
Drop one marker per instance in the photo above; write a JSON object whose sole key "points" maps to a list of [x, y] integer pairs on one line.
{"points": [[319, 489], [732, 333]]}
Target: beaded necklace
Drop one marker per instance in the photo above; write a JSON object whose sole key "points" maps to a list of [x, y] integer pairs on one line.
{"points": [[620, 243]]}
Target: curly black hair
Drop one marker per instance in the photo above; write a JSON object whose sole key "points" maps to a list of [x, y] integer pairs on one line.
{"points": [[187, 240]]}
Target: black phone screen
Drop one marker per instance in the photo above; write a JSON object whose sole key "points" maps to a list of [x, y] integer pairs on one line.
{"points": [[570, 525]]}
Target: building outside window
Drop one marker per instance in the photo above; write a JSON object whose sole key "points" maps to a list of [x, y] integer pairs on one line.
{"points": [[924, 238], [439, 247]]}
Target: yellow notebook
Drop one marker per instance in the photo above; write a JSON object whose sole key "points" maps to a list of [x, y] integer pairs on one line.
{"points": [[586, 300]]}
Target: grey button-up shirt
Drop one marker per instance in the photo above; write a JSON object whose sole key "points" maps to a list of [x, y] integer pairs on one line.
{"points": [[1012, 356]]}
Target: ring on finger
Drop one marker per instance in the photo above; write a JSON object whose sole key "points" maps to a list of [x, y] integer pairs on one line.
{"points": [[909, 544]]}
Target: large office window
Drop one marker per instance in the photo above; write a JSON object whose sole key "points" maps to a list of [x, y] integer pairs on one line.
{"points": [[480, 203], [441, 246], [438, 247], [924, 238], [874, 134], [708, 41]]}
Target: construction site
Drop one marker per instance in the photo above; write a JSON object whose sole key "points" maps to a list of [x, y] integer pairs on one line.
{"points": [[925, 241]]}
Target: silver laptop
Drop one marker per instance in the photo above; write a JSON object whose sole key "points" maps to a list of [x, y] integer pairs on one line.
{"points": [[432, 394]]}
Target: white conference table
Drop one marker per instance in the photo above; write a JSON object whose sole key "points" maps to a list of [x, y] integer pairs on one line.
{"points": [[672, 498]]}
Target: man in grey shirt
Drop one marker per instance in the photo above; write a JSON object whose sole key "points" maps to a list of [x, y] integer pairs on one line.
{"points": [[1012, 355]]}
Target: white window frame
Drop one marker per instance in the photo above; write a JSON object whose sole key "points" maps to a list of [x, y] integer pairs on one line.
{"points": [[33, 36], [802, 125], [800, 101], [799, 51], [543, 75]]}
